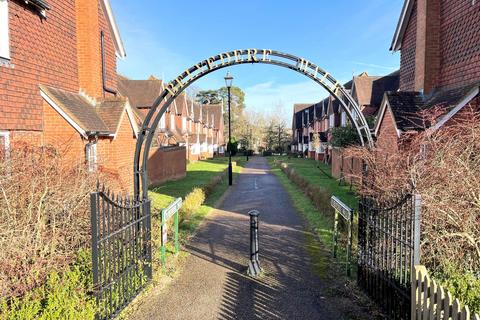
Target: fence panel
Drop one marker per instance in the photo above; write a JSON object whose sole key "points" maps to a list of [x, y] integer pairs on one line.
{"points": [[432, 302], [388, 244], [121, 250]]}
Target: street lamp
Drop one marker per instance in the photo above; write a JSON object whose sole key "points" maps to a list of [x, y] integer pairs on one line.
{"points": [[228, 84]]}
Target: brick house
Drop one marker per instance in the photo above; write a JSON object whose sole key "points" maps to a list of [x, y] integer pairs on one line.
{"points": [[58, 83], [439, 68], [168, 147]]}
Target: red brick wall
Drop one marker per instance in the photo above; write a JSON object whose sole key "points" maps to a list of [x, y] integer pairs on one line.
{"points": [[42, 51], [166, 164], [460, 50], [387, 138], [60, 134], [90, 21], [407, 54]]}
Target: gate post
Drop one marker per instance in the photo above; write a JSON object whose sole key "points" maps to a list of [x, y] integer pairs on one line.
{"points": [[417, 203], [254, 268], [93, 219]]}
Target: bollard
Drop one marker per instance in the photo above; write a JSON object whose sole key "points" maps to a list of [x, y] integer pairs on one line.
{"points": [[254, 268]]}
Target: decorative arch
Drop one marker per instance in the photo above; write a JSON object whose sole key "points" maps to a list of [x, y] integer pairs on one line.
{"points": [[223, 60]]}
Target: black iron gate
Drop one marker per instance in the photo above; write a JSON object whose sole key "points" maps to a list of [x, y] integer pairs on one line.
{"points": [[389, 247], [121, 250]]}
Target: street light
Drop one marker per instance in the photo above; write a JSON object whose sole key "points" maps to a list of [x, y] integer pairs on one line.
{"points": [[228, 84]]}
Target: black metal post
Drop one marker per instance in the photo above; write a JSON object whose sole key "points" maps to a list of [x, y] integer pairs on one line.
{"points": [[230, 172], [254, 268]]}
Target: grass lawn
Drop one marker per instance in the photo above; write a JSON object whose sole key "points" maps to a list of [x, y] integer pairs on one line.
{"points": [[319, 174], [198, 175]]}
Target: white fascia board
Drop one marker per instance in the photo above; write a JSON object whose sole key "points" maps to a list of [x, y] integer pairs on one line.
{"points": [[131, 117], [402, 25], [57, 108], [472, 94], [120, 48]]}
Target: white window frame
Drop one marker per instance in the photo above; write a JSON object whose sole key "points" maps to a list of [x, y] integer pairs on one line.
{"points": [[344, 119], [6, 136], [4, 31], [91, 156], [331, 121], [184, 123], [162, 122]]}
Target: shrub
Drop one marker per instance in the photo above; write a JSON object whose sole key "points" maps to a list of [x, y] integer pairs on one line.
{"points": [[193, 201], [63, 296], [444, 168], [44, 216]]}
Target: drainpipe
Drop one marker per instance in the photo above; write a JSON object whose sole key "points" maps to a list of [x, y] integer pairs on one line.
{"points": [[104, 69]]}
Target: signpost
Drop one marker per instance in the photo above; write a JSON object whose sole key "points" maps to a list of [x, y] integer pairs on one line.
{"points": [[347, 214], [167, 213]]}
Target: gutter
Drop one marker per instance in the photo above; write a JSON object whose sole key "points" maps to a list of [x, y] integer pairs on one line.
{"points": [[104, 69]]}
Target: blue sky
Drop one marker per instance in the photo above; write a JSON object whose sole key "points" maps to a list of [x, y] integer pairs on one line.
{"points": [[344, 37]]}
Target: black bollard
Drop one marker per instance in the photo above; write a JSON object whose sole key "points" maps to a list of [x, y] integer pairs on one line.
{"points": [[254, 268]]}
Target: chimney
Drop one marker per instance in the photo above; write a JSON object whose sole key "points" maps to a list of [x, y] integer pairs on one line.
{"points": [[427, 55], [88, 47]]}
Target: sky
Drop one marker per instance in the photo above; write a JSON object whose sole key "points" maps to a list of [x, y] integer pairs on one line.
{"points": [[344, 37]]}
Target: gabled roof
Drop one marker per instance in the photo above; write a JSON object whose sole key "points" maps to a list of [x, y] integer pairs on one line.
{"points": [[112, 23], [102, 118], [369, 90], [402, 24], [77, 108], [300, 106], [140, 93], [216, 111]]}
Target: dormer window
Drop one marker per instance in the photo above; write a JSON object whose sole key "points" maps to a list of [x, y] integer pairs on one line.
{"points": [[4, 34]]}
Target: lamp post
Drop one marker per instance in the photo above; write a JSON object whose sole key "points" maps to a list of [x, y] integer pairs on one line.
{"points": [[228, 84]]}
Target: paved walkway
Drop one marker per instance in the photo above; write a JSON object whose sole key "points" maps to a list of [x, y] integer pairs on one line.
{"points": [[214, 285]]}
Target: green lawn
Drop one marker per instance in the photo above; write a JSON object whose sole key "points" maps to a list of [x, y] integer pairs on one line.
{"points": [[319, 174]]}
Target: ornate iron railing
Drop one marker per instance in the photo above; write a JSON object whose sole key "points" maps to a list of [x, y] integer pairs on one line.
{"points": [[121, 250], [389, 248]]}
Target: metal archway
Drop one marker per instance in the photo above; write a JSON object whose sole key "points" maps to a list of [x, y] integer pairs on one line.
{"points": [[223, 60]]}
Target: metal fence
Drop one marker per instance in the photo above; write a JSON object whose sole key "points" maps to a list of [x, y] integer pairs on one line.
{"points": [[389, 248], [121, 250]]}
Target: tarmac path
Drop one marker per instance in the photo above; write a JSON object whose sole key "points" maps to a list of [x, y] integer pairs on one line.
{"points": [[213, 283]]}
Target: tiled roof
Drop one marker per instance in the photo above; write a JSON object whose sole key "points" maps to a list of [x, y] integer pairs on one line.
{"points": [[448, 97], [406, 108], [300, 106], [141, 93], [111, 111], [216, 111], [78, 108]]}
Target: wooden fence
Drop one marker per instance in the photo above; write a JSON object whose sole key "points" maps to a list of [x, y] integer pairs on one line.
{"points": [[432, 302]]}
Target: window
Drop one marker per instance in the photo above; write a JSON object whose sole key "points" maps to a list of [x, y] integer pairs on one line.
{"points": [[172, 121], [162, 122], [91, 156], [4, 144], [184, 123], [344, 119], [4, 37], [331, 120]]}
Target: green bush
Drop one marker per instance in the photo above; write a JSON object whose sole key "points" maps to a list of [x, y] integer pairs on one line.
{"points": [[463, 285], [192, 203], [63, 296]]}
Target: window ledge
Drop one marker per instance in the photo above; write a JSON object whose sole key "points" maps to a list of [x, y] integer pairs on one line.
{"points": [[6, 63]]}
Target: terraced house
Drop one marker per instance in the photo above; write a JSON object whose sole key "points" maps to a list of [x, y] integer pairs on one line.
{"points": [[439, 69], [313, 123], [58, 82]]}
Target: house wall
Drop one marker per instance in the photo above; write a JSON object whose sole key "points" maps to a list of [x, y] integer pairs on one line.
{"points": [[460, 33], [159, 171], [387, 138], [407, 54], [122, 153], [42, 51], [440, 46]]}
